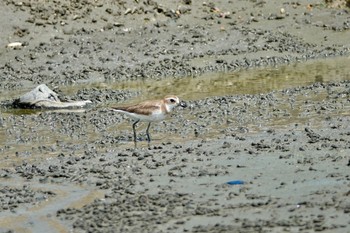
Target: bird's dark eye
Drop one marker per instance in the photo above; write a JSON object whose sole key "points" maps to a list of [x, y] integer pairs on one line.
{"points": [[172, 100]]}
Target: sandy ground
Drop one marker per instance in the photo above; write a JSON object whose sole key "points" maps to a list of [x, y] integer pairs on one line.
{"points": [[77, 171]]}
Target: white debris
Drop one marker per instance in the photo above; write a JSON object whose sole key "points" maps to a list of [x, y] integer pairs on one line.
{"points": [[14, 45]]}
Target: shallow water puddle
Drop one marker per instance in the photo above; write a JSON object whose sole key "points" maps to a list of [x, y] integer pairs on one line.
{"points": [[251, 81], [40, 217]]}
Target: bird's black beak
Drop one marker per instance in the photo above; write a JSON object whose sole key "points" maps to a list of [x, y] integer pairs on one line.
{"points": [[183, 104]]}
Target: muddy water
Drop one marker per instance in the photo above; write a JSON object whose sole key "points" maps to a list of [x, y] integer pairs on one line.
{"points": [[240, 82]]}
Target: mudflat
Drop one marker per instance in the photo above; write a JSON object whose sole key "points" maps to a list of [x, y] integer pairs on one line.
{"points": [[262, 146]]}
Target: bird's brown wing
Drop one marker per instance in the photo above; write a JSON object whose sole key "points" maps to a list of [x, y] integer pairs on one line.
{"points": [[145, 108]]}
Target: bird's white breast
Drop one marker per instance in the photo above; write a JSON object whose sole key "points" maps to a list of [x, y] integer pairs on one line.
{"points": [[157, 115]]}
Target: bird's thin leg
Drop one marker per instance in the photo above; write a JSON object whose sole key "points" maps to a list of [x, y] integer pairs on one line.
{"points": [[147, 133], [134, 128]]}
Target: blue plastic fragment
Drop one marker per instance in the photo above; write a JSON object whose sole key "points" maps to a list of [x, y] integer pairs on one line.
{"points": [[235, 182]]}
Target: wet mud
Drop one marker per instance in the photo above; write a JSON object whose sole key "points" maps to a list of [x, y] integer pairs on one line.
{"points": [[267, 91]]}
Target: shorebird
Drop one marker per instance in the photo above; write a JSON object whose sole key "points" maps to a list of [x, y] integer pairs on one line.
{"points": [[150, 111]]}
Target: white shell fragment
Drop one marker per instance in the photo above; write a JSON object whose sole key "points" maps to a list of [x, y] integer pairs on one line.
{"points": [[14, 44]]}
